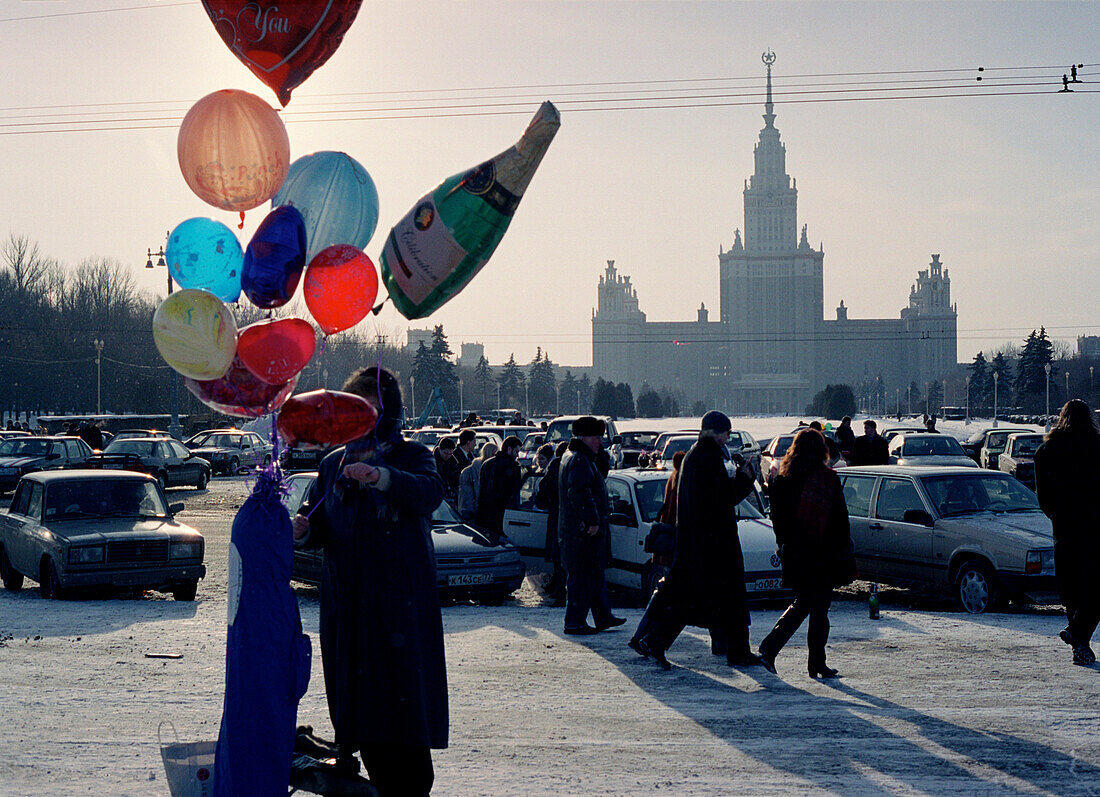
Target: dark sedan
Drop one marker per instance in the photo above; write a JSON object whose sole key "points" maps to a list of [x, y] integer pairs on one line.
{"points": [[170, 462], [22, 455], [228, 450], [468, 565], [93, 528]]}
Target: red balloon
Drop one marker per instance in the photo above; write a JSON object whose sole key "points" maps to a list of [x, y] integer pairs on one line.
{"points": [[276, 349], [326, 418], [241, 394], [340, 287], [282, 43]]}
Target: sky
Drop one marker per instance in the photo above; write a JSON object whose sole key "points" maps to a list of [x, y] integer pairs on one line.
{"points": [[1003, 188]]}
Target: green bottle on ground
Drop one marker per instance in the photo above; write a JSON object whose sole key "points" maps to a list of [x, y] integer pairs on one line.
{"points": [[872, 603]]}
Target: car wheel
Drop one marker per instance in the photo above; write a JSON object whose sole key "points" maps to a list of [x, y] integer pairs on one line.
{"points": [[201, 483], [13, 579], [186, 592], [49, 582], [976, 587], [234, 466]]}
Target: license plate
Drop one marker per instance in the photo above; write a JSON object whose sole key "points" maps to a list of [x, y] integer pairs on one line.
{"points": [[765, 584], [468, 579], [114, 466]]}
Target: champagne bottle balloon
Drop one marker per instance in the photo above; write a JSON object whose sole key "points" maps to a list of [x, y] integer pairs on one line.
{"points": [[872, 603], [450, 234]]}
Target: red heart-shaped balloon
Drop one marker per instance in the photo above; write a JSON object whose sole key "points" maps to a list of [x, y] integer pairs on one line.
{"points": [[325, 418], [240, 393], [276, 349], [282, 42]]}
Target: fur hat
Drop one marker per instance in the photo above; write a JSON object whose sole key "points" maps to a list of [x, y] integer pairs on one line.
{"points": [[588, 426], [715, 421]]}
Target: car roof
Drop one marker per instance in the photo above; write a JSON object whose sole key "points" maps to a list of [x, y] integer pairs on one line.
{"points": [[140, 440], [640, 474], [49, 476], [919, 470]]}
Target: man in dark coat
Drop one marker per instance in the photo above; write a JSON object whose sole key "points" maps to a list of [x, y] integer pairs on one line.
{"points": [[706, 584], [584, 528], [845, 437], [1067, 480], [499, 484], [547, 498], [870, 449], [464, 454], [381, 627], [447, 465]]}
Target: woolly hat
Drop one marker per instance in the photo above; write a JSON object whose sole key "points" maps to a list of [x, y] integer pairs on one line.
{"points": [[715, 421], [587, 426]]}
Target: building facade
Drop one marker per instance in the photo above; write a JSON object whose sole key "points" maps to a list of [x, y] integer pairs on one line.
{"points": [[771, 349]]}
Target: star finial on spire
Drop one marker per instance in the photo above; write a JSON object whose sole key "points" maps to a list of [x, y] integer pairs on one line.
{"points": [[768, 58]]}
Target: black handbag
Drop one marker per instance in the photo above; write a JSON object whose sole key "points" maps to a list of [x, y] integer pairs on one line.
{"points": [[661, 539]]}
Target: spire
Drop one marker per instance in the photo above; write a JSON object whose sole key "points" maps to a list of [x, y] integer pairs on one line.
{"points": [[769, 117]]}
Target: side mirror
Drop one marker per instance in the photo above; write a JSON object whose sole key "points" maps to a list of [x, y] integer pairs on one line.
{"points": [[918, 516], [175, 508]]}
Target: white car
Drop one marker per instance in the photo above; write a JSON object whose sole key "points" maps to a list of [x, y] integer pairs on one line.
{"points": [[928, 448], [636, 497]]}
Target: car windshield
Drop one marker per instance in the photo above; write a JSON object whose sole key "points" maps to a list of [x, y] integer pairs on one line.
{"points": [[781, 446], [1027, 446], [677, 444], [639, 439], [428, 438], [445, 514], [142, 448], [222, 441], [24, 447], [81, 498], [932, 445], [981, 492]]}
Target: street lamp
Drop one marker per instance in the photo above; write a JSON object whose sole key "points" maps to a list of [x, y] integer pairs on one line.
{"points": [[498, 398], [578, 401], [897, 398], [909, 393], [174, 406], [1067, 384], [461, 398], [996, 379], [98, 375], [968, 398], [1046, 368], [526, 399], [412, 397]]}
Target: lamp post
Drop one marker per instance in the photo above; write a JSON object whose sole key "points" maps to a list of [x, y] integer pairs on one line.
{"points": [[897, 398], [498, 398], [98, 375], [173, 394], [996, 379], [909, 393], [557, 399], [578, 401], [1067, 384], [461, 398], [968, 398], [526, 400], [412, 395], [1090, 380], [1046, 368]]}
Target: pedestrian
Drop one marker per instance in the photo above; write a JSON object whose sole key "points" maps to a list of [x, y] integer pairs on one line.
{"points": [[1067, 480], [499, 480], [464, 454], [810, 520], [381, 627], [547, 498], [446, 464], [845, 437], [643, 461], [870, 449], [583, 517], [706, 584], [543, 455], [469, 483]]}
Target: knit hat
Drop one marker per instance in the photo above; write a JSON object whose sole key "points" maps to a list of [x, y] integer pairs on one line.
{"points": [[587, 426], [715, 421]]}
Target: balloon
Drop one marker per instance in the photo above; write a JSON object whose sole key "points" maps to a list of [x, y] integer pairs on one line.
{"points": [[275, 258], [337, 199], [340, 288], [449, 235], [203, 253], [240, 394], [233, 150], [276, 349], [195, 333], [326, 418], [282, 43]]}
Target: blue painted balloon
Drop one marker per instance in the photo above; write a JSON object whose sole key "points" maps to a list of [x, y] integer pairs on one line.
{"points": [[337, 199], [274, 259], [205, 254]]}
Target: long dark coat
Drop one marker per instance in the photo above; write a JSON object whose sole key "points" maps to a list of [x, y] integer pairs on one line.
{"points": [[870, 451], [812, 559], [582, 503], [381, 626], [707, 576], [547, 498], [1067, 481], [500, 480]]}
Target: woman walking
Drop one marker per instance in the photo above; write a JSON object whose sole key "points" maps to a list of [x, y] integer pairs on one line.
{"points": [[810, 520], [1067, 479]]}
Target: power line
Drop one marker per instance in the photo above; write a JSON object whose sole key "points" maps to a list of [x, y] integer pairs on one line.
{"points": [[93, 11]]}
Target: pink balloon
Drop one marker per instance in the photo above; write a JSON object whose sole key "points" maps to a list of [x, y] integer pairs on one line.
{"points": [[241, 394], [276, 349]]}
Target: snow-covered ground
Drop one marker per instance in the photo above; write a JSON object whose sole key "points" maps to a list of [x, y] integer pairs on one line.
{"points": [[931, 701]]}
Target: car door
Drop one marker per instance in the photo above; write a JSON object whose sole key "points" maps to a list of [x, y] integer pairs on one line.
{"points": [[188, 469], [905, 546], [858, 491], [525, 523], [628, 554], [17, 542], [27, 519]]}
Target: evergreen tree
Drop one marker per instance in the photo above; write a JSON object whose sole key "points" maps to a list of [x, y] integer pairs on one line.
{"points": [[912, 397], [584, 386], [1003, 388], [670, 406], [649, 403], [624, 401], [512, 382], [567, 390], [699, 408], [981, 383], [446, 373], [542, 386], [604, 398], [486, 384], [934, 399], [833, 401], [1031, 375], [425, 374]]}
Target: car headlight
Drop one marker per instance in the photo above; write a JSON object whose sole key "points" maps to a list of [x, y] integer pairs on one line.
{"points": [[220, 455], [86, 555], [190, 549]]}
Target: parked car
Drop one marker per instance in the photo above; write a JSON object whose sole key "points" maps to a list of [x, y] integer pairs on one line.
{"points": [[672, 444], [467, 563], [8, 434], [927, 448], [228, 450], [561, 428], [92, 528], [976, 535], [527, 450], [890, 433], [297, 458], [634, 444], [127, 434], [22, 455], [507, 431], [168, 461], [1018, 458], [636, 496], [771, 456], [429, 436], [985, 445]]}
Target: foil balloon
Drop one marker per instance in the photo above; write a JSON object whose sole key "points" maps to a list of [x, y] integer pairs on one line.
{"points": [[336, 197], [325, 418], [233, 150], [240, 394], [340, 287], [282, 43], [274, 259], [203, 253], [195, 333], [276, 349]]}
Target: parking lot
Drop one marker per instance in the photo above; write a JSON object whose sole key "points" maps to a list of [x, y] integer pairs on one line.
{"points": [[931, 701]]}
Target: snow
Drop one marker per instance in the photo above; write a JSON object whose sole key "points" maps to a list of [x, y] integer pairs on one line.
{"points": [[931, 701]]}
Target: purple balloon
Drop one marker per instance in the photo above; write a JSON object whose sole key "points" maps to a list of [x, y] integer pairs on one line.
{"points": [[274, 259]]}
